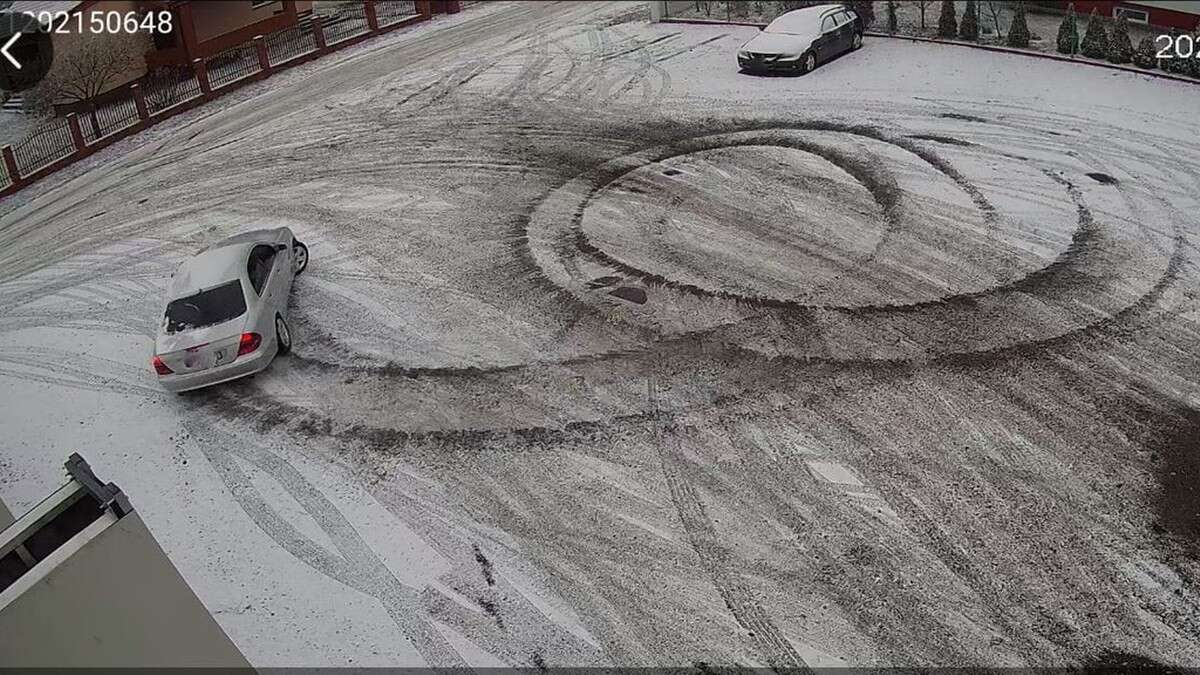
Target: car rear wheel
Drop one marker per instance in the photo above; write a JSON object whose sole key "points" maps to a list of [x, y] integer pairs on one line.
{"points": [[283, 335], [856, 42], [807, 63], [299, 256]]}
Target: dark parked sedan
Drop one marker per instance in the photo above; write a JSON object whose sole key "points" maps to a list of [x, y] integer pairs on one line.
{"points": [[798, 40]]}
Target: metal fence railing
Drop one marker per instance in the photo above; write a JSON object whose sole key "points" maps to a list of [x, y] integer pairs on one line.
{"points": [[170, 86], [389, 12], [349, 21], [108, 119], [232, 65], [288, 44], [51, 141]]}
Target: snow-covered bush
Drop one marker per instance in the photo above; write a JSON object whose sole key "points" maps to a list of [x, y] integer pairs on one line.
{"points": [[947, 24], [968, 28], [1120, 48], [1068, 33], [1194, 62], [1175, 65], [1145, 56], [1018, 31], [1095, 38], [865, 9]]}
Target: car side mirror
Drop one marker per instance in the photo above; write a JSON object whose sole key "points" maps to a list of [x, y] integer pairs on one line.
{"points": [[281, 247]]}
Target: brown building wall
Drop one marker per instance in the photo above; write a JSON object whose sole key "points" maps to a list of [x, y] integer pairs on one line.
{"points": [[216, 18], [67, 43], [1181, 14]]}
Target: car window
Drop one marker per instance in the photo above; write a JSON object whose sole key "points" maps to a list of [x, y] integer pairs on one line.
{"points": [[258, 267], [206, 308], [827, 24], [842, 18]]}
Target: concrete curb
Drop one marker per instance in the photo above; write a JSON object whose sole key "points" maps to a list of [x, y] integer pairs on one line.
{"points": [[1041, 55], [972, 45]]}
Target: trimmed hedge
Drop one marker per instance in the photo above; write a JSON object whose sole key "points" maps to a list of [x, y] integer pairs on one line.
{"points": [[947, 24], [1120, 48], [968, 28], [1018, 32], [1095, 39], [1068, 33]]}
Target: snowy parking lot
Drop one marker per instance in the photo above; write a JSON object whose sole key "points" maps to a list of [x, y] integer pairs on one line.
{"points": [[611, 355]]}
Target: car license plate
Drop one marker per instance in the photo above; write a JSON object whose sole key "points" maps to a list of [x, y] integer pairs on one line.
{"points": [[198, 358]]}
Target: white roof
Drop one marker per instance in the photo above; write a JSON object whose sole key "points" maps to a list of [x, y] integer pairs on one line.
{"points": [[211, 267], [803, 21]]}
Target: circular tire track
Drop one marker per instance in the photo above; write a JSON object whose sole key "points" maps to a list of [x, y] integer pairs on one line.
{"points": [[549, 247]]}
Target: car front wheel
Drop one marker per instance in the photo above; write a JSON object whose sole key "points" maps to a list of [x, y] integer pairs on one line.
{"points": [[856, 42], [807, 63], [299, 256], [283, 335]]}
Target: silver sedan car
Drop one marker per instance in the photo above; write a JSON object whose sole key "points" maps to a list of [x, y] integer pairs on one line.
{"points": [[226, 313]]}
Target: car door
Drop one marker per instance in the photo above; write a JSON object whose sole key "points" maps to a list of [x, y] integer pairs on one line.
{"points": [[847, 29], [844, 31], [261, 270], [826, 43], [279, 284], [287, 262]]}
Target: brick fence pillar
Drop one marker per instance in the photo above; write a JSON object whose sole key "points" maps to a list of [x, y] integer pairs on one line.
{"points": [[139, 101], [10, 164], [372, 19], [201, 71], [453, 6], [319, 34], [423, 8], [76, 131], [264, 59]]}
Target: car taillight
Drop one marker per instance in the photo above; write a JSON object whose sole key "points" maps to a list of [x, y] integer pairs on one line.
{"points": [[250, 342], [160, 367]]}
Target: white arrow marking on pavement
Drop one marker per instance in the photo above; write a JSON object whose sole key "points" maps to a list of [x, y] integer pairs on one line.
{"points": [[8, 45]]}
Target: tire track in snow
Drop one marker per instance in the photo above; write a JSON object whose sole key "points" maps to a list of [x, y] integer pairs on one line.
{"points": [[356, 564], [772, 645]]}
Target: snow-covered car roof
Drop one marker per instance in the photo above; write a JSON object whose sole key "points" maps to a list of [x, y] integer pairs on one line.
{"points": [[211, 267], [261, 236], [803, 21]]}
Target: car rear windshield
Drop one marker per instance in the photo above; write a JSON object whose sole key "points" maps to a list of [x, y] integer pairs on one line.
{"points": [[206, 308]]}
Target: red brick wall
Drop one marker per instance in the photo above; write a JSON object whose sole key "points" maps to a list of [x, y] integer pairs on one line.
{"points": [[1167, 18]]}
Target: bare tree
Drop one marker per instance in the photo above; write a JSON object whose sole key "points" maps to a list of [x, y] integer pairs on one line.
{"points": [[92, 67], [994, 9], [162, 86], [922, 7]]}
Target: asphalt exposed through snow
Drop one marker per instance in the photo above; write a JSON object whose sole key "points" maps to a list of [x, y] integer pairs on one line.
{"points": [[645, 368]]}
